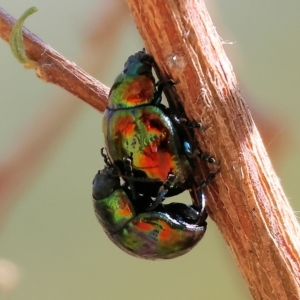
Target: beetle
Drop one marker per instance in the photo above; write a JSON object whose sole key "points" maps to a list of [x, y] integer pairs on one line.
{"points": [[167, 231], [145, 139]]}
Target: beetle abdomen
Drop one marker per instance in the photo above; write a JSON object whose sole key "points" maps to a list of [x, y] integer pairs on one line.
{"points": [[156, 235]]}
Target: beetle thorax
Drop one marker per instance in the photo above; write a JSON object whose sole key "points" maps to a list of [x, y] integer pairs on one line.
{"points": [[132, 91]]}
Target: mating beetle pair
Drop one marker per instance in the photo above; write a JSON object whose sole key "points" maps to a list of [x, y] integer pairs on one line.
{"points": [[167, 231], [149, 149]]}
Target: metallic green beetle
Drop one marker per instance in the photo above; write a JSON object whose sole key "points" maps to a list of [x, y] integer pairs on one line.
{"points": [[144, 139], [167, 231]]}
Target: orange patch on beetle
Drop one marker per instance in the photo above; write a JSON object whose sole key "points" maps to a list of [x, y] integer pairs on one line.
{"points": [[140, 90], [144, 226]]}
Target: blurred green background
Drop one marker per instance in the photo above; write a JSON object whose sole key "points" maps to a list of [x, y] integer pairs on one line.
{"points": [[52, 236]]}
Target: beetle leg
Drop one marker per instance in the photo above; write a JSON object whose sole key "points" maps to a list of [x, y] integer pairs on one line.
{"points": [[211, 176], [199, 197], [106, 157], [129, 174], [202, 216], [187, 212], [163, 190], [205, 157], [198, 153], [157, 97], [160, 85], [186, 122], [192, 124]]}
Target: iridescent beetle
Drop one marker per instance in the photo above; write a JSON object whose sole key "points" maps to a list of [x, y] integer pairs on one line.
{"points": [[144, 139], [167, 231], [149, 149]]}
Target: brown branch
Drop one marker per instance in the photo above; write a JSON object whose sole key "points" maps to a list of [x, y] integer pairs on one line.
{"points": [[52, 67], [246, 200]]}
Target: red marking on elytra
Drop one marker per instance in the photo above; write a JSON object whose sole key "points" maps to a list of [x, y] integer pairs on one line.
{"points": [[125, 124], [140, 90], [144, 226], [156, 164], [165, 234], [124, 210]]}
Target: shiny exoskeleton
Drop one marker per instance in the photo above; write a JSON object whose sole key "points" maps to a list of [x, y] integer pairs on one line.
{"points": [[144, 139], [167, 231]]}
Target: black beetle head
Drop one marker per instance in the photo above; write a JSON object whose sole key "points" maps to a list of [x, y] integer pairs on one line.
{"points": [[138, 64], [104, 184]]}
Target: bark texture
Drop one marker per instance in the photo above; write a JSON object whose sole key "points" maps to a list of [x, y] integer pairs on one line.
{"points": [[246, 199]]}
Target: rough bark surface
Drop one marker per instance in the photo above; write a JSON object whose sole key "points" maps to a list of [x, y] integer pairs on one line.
{"points": [[246, 199]]}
